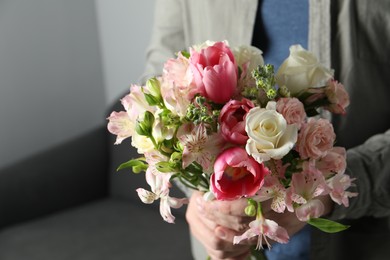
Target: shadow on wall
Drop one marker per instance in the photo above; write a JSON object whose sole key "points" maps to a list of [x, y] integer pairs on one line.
{"points": [[51, 84]]}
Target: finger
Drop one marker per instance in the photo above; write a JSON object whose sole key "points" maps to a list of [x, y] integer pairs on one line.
{"points": [[237, 223], [206, 236], [234, 208], [220, 255], [228, 235]]}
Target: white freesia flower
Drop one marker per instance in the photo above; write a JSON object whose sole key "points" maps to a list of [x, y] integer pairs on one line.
{"points": [[269, 134], [302, 70]]}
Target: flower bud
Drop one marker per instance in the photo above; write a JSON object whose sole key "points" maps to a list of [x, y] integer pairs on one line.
{"points": [[145, 127], [250, 210], [153, 86]]}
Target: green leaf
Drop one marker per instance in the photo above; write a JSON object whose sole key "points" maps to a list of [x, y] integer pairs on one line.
{"points": [[136, 165], [327, 225], [185, 54], [164, 167]]}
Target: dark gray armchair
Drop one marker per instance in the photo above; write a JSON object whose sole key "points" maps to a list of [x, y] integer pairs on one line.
{"points": [[70, 203]]}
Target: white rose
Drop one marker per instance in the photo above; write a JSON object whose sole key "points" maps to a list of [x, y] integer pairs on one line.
{"points": [[204, 45], [301, 70], [270, 137], [248, 55]]}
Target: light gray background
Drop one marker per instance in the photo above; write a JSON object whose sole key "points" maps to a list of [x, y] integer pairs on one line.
{"points": [[62, 63]]}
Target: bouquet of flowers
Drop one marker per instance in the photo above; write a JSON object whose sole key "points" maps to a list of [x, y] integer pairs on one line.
{"points": [[220, 121]]}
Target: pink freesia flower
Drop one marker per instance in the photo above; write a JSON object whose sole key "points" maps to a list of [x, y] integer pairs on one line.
{"points": [[200, 147], [232, 120], [120, 125], [160, 185], [292, 110], [215, 72], [339, 185], [315, 138], [236, 175], [337, 96], [264, 228]]}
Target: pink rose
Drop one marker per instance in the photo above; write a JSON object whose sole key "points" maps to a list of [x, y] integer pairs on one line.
{"points": [[215, 72], [232, 120], [337, 96], [292, 110], [315, 138], [236, 175]]}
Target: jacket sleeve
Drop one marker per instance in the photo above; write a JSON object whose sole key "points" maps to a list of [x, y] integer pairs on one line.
{"points": [[166, 39], [369, 163]]}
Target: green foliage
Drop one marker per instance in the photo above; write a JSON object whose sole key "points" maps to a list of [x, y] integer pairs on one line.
{"points": [[137, 165], [265, 79], [327, 225]]}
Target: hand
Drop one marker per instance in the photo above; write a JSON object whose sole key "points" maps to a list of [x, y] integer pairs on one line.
{"points": [[207, 220], [230, 219]]}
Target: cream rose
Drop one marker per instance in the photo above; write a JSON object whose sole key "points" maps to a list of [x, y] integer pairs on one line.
{"points": [[248, 56], [270, 137], [301, 70]]}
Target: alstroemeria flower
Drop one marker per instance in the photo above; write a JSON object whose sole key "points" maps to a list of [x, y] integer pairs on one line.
{"points": [[264, 228], [120, 125], [333, 162], [199, 147], [135, 103], [305, 187], [236, 175], [273, 189], [160, 185], [215, 72], [312, 209], [232, 120], [176, 86], [269, 134], [339, 185]]}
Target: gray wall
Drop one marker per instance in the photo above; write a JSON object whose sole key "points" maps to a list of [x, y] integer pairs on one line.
{"points": [[51, 84], [125, 29]]}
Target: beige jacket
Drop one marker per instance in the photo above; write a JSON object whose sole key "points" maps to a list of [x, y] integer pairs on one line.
{"points": [[351, 36]]}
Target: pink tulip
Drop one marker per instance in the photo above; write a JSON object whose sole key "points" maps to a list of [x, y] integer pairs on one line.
{"points": [[236, 175], [232, 120], [215, 72]]}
